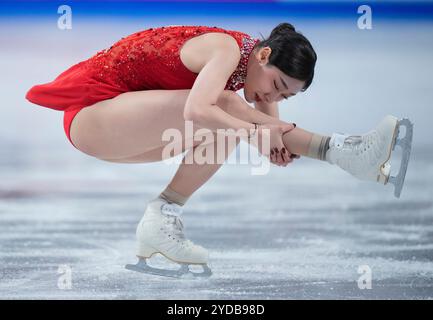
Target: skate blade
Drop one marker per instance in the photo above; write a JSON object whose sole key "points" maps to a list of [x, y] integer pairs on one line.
{"points": [[385, 168], [182, 272], [406, 145]]}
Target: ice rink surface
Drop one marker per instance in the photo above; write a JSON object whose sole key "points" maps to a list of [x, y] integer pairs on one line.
{"points": [[300, 232]]}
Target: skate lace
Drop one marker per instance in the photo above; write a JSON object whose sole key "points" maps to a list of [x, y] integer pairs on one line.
{"points": [[175, 224], [360, 145]]}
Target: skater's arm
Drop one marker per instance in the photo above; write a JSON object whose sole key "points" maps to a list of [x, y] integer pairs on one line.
{"points": [[201, 105], [202, 108]]}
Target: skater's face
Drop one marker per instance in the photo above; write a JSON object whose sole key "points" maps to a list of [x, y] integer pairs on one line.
{"points": [[265, 82]]}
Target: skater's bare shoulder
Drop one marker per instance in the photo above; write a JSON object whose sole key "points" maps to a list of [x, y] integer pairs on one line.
{"points": [[199, 50]]}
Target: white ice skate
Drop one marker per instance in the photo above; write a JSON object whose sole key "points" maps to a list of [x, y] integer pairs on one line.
{"points": [[160, 231], [367, 156]]}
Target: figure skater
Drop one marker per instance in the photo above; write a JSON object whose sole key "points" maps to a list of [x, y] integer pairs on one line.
{"points": [[118, 103]]}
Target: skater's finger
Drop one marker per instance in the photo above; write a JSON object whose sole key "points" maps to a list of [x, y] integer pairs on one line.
{"points": [[285, 155], [277, 153], [272, 156], [274, 159], [279, 158], [283, 158]]}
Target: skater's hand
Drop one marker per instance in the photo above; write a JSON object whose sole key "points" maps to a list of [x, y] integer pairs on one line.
{"points": [[285, 155], [275, 151]]}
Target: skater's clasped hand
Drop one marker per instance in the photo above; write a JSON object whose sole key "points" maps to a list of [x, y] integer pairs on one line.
{"points": [[275, 151]]}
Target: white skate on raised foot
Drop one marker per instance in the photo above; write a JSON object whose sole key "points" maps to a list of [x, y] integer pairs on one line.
{"points": [[160, 231], [367, 157]]}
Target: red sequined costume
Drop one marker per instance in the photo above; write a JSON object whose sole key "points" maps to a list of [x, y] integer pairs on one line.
{"points": [[144, 60]]}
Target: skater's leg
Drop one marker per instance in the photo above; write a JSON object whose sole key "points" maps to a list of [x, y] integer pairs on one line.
{"points": [[129, 127], [171, 196], [191, 176], [364, 156], [297, 141], [302, 142]]}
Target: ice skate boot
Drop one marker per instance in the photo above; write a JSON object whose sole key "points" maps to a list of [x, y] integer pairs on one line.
{"points": [[160, 231], [367, 156]]}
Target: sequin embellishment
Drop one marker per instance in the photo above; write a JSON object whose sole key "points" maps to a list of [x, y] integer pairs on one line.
{"points": [[149, 59], [237, 79]]}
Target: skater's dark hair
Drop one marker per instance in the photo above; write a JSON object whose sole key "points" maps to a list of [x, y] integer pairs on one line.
{"points": [[292, 53]]}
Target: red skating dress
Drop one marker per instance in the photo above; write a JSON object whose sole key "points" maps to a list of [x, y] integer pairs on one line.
{"points": [[145, 60]]}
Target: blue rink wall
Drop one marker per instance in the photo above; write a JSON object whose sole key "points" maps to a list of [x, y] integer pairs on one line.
{"points": [[415, 10]]}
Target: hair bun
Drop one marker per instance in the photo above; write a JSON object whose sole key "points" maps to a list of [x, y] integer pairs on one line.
{"points": [[282, 29]]}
